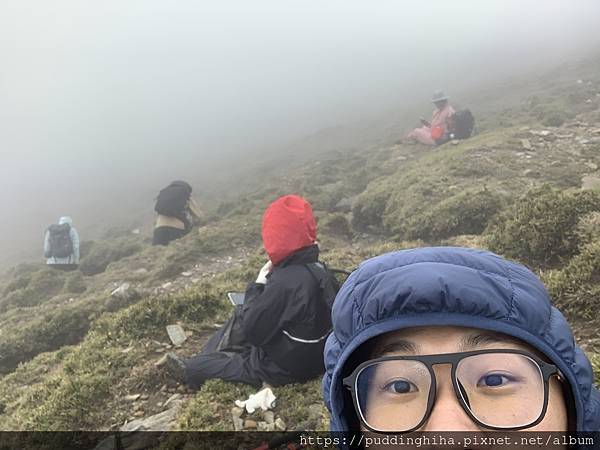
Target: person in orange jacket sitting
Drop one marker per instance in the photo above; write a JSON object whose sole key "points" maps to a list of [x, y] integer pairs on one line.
{"points": [[436, 131]]}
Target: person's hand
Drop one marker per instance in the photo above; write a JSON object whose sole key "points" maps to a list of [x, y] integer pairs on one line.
{"points": [[424, 122], [262, 275]]}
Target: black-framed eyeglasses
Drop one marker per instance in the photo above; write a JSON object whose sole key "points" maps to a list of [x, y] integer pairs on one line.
{"points": [[502, 389]]}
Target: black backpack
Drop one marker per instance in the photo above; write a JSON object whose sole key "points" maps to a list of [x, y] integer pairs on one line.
{"points": [[462, 124], [328, 283], [173, 200], [60, 244]]}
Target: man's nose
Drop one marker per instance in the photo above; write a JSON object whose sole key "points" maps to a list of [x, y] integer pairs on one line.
{"points": [[447, 413]]}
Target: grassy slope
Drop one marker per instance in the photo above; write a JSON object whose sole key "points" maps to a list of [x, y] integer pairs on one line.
{"points": [[81, 350]]}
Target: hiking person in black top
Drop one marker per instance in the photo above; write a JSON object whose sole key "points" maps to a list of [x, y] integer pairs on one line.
{"points": [[176, 211], [278, 335]]}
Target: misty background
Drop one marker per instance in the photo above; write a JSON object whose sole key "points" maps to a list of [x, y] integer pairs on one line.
{"points": [[103, 103]]}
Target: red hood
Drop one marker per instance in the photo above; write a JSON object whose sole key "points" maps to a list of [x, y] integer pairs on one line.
{"points": [[288, 225]]}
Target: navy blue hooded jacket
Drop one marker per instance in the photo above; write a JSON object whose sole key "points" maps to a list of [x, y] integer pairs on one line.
{"points": [[453, 287]]}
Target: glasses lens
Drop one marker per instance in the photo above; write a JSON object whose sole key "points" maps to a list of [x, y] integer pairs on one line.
{"points": [[392, 395], [504, 390]]}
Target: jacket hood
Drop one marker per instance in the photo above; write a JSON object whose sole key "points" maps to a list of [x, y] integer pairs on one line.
{"points": [[288, 225], [454, 287], [65, 219]]}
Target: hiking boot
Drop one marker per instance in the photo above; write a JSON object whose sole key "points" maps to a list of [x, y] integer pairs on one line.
{"points": [[176, 368]]}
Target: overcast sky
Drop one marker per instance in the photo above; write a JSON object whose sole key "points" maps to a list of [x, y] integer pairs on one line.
{"points": [[130, 93]]}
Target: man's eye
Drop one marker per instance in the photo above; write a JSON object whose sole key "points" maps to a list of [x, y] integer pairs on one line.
{"points": [[401, 387], [494, 380]]}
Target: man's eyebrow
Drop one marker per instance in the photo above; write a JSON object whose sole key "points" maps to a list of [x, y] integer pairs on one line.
{"points": [[399, 346], [481, 339]]}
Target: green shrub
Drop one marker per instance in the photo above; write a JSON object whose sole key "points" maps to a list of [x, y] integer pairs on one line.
{"points": [[465, 213], [75, 283], [335, 224], [61, 326], [19, 276], [19, 282], [369, 207], [234, 232], [595, 358], [540, 228], [85, 248], [73, 399], [554, 120], [151, 316], [326, 197], [576, 287], [105, 252], [588, 227], [33, 289]]}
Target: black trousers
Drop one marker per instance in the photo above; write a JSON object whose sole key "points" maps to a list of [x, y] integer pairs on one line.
{"points": [[228, 357], [164, 235]]}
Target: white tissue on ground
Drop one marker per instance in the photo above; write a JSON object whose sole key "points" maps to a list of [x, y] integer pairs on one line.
{"points": [[263, 399]]}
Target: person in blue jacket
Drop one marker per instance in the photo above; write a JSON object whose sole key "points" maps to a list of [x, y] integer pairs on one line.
{"points": [[61, 245], [453, 339]]}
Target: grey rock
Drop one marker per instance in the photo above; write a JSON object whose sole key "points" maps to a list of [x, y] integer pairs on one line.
{"points": [[564, 136], [250, 424], [238, 424], [542, 133], [269, 417], [163, 421], [172, 398], [122, 291], [237, 412], [345, 204], [176, 334], [280, 424]]}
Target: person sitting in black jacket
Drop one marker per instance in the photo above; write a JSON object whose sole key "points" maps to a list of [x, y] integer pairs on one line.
{"points": [[277, 336]]}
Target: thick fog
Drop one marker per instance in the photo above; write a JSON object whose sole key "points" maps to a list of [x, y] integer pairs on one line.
{"points": [[101, 103]]}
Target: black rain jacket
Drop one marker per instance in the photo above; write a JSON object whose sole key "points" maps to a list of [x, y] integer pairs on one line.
{"points": [[288, 318]]}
